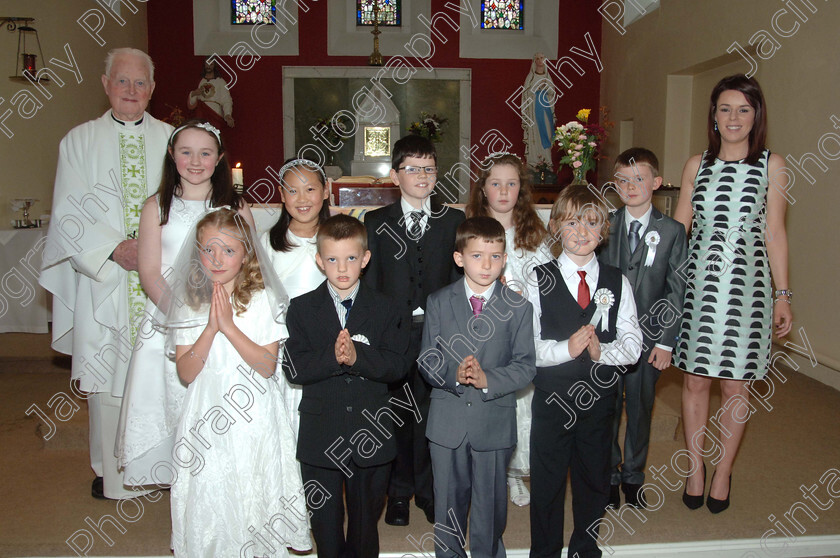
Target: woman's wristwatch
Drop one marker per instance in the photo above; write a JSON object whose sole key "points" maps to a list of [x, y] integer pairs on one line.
{"points": [[783, 292]]}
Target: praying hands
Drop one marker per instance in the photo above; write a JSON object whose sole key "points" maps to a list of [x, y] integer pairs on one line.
{"points": [[345, 350], [470, 373]]}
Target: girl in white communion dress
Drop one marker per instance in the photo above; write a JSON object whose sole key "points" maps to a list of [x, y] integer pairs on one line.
{"points": [[290, 243], [238, 490]]}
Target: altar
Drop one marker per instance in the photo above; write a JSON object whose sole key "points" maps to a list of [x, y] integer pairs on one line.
{"points": [[350, 117]]}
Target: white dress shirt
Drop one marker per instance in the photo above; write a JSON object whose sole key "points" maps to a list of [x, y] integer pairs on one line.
{"points": [[626, 348], [407, 209]]}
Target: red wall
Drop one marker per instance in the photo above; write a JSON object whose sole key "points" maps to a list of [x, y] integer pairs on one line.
{"points": [[257, 139]]}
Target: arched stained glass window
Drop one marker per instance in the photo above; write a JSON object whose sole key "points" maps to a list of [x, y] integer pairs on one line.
{"points": [[389, 12], [502, 15], [250, 12]]}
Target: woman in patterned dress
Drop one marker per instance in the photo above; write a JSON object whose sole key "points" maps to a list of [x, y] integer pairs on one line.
{"points": [[732, 202]]}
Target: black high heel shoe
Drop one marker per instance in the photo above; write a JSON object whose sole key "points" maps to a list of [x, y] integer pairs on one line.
{"points": [[715, 505], [694, 502]]}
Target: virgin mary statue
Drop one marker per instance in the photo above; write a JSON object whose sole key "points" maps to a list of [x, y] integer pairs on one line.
{"points": [[537, 108]]}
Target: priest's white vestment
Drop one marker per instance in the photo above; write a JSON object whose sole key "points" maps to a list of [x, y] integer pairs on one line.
{"points": [[106, 169]]}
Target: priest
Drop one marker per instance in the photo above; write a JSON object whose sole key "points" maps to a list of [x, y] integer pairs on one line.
{"points": [[107, 167]]}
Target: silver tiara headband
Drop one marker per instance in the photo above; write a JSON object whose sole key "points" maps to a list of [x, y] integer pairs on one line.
{"points": [[311, 165], [206, 126], [500, 154]]}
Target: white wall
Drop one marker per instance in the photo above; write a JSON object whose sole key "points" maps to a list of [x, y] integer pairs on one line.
{"points": [[28, 158]]}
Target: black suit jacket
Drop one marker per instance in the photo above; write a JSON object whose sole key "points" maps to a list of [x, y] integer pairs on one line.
{"points": [[346, 407], [389, 270]]}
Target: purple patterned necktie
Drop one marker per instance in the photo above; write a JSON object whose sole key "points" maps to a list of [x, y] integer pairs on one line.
{"points": [[477, 303]]}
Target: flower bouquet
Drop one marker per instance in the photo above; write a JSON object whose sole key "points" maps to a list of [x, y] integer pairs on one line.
{"points": [[581, 143], [430, 126]]}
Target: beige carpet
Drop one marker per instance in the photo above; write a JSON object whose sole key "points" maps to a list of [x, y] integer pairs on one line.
{"points": [[46, 484]]}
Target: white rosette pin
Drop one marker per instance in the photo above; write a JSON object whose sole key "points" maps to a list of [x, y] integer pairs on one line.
{"points": [[604, 300], [652, 240]]}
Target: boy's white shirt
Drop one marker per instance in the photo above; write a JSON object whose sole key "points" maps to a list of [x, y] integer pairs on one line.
{"points": [[407, 208], [628, 343]]}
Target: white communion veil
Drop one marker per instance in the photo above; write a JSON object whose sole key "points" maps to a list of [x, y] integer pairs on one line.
{"points": [[185, 302]]}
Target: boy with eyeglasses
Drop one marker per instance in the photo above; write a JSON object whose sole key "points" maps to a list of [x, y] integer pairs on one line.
{"points": [[411, 242]]}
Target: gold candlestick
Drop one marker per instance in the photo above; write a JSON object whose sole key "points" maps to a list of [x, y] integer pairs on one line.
{"points": [[376, 56]]}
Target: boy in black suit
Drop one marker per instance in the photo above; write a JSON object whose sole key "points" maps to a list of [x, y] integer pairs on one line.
{"points": [[346, 344], [411, 242]]}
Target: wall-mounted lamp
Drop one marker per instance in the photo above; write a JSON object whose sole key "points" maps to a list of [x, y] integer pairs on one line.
{"points": [[25, 61]]}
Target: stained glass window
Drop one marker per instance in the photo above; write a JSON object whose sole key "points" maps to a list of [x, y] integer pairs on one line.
{"points": [[502, 15], [250, 12], [389, 12]]}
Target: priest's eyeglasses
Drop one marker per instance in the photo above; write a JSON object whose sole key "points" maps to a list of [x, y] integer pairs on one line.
{"points": [[417, 170]]}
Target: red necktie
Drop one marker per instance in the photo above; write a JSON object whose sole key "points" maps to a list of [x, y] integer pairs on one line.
{"points": [[583, 290]]}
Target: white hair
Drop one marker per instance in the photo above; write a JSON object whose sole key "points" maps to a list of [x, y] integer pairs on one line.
{"points": [[126, 51]]}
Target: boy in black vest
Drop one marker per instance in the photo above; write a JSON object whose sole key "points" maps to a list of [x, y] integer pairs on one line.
{"points": [[585, 331]]}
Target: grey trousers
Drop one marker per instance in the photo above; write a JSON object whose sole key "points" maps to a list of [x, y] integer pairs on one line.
{"points": [[636, 392], [475, 481]]}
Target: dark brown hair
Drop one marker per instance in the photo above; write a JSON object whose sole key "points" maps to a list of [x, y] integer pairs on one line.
{"points": [[340, 227], [637, 156], [758, 135], [529, 228], [412, 146], [221, 183], [574, 201], [484, 228]]}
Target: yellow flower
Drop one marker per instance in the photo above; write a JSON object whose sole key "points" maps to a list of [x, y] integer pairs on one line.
{"points": [[583, 115]]}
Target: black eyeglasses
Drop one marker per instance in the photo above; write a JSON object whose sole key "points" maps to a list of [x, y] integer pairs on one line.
{"points": [[417, 170]]}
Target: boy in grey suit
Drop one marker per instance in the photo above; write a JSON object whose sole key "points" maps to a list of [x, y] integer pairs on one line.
{"points": [[477, 351], [649, 248]]}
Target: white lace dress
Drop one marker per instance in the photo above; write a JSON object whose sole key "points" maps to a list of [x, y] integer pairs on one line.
{"points": [[239, 484], [153, 393], [519, 265], [300, 274]]}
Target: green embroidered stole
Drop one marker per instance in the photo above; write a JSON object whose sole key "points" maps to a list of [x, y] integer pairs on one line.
{"points": [[133, 180]]}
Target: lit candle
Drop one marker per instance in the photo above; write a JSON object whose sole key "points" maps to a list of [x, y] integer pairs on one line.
{"points": [[237, 174]]}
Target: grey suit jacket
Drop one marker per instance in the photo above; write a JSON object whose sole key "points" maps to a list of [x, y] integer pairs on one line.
{"points": [[658, 289], [502, 340]]}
